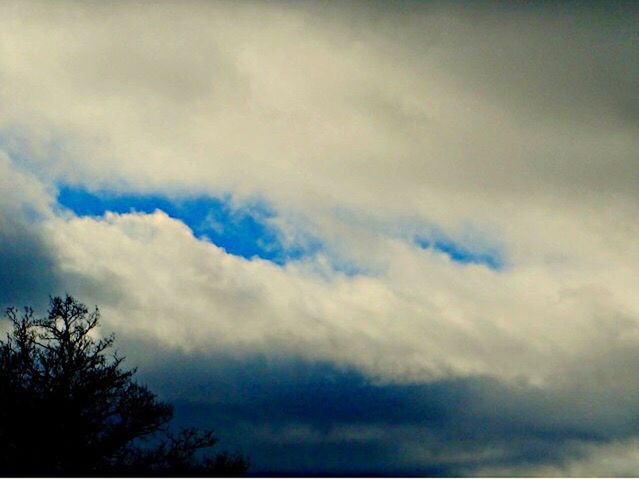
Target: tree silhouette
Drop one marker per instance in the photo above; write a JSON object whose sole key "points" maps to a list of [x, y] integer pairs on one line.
{"points": [[67, 407]]}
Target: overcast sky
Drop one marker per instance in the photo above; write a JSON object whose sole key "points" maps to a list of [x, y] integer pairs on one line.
{"points": [[352, 237]]}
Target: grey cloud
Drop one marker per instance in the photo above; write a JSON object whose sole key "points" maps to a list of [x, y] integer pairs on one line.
{"points": [[28, 273], [300, 417], [30, 269], [509, 101]]}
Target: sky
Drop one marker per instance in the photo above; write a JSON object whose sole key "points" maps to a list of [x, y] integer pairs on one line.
{"points": [[351, 237]]}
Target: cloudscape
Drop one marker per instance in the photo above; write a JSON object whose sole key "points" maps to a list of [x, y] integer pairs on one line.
{"points": [[387, 238]]}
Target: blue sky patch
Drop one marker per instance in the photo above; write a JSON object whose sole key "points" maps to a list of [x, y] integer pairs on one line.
{"points": [[471, 244], [243, 231], [247, 230], [460, 253]]}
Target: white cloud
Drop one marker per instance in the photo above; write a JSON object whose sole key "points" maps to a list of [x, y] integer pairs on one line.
{"points": [[425, 317]]}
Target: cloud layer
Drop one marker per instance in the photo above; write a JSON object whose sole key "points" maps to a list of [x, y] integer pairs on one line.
{"points": [[510, 131]]}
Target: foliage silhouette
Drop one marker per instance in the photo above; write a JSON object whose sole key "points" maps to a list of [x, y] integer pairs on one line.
{"points": [[67, 407]]}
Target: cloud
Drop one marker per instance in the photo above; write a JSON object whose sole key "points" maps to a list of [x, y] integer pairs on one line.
{"points": [[397, 111], [617, 459], [507, 131], [307, 416], [246, 230], [28, 271], [424, 317], [421, 114]]}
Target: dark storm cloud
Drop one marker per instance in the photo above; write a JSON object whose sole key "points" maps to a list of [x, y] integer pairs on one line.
{"points": [[28, 266], [28, 272], [298, 418], [31, 268]]}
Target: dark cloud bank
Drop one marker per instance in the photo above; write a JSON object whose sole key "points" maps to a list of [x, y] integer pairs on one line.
{"points": [[310, 418]]}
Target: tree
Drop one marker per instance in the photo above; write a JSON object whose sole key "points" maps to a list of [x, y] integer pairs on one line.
{"points": [[67, 406]]}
